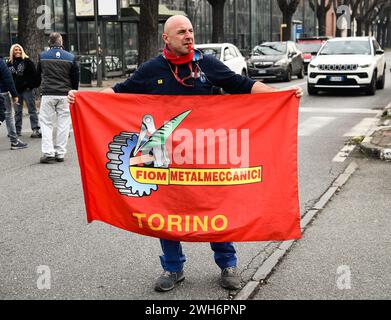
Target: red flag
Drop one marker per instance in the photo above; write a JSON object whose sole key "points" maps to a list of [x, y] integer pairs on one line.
{"points": [[192, 168]]}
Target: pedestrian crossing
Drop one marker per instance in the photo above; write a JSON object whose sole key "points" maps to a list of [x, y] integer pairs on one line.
{"points": [[314, 125]]}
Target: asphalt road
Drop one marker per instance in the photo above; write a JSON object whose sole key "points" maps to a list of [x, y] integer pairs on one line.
{"points": [[43, 219]]}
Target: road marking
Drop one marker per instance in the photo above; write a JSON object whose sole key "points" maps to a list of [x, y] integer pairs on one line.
{"points": [[362, 128], [338, 110], [344, 153], [300, 84], [309, 126]]}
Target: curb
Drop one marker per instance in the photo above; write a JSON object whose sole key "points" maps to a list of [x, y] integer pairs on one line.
{"points": [[376, 151], [266, 268]]}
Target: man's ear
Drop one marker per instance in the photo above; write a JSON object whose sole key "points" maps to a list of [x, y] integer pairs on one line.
{"points": [[165, 37]]}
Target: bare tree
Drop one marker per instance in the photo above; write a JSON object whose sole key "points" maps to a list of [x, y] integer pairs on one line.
{"points": [[148, 30], [321, 7], [288, 9], [218, 20], [31, 27], [367, 12]]}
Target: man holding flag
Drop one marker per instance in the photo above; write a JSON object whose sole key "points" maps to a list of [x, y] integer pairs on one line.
{"points": [[182, 70]]}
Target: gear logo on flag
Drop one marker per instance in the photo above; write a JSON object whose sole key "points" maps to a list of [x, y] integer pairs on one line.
{"points": [[124, 153]]}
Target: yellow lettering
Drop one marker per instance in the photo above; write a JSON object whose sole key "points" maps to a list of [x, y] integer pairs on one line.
{"points": [[214, 224], [177, 222], [139, 216], [187, 223], [203, 225], [161, 221]]}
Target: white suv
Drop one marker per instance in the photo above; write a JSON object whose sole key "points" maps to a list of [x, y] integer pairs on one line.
{"points": [[352, 62]]}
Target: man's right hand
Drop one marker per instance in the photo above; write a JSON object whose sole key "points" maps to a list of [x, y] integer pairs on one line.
{"points": [[71, 96]]}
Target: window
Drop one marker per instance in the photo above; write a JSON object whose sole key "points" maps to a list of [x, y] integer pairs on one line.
{"points": [[232, 51], [226, 53], [59, 16]]}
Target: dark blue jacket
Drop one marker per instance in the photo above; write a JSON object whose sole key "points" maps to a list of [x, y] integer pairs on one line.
{"points": [[156, 77], [6, 80], [58, 71]]}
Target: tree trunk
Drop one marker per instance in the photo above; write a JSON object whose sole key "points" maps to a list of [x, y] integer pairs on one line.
{"points": [[367, 26], [218, 20], [287, 32], [31, 28], [383, 34], [322, 22], [288, 8], [359, 27], [148, 30]]}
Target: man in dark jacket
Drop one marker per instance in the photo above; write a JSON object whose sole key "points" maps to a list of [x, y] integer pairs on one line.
{"points": [[7, 87], [59, 73]]}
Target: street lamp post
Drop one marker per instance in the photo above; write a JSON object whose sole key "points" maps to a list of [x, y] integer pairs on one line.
{"points": [[98, 46]]}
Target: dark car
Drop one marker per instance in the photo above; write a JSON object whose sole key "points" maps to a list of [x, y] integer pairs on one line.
{"points": [[276, 60], [309, 47]]}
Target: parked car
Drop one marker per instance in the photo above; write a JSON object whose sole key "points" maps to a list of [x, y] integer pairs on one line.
{"points": [[227, 53], [350, 62], [131, 57], [276, 60], [310, 46]]}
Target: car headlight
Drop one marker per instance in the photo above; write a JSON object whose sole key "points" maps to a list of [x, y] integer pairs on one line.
{"points": [[365, 65], [281, 62], [312, 65]]}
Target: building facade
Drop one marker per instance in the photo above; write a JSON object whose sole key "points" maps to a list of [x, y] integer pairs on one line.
{"points": [[247, 23]]}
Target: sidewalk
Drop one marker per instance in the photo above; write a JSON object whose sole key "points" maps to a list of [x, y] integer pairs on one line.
{"points": [[105, 84], [378, 143], [345, 253]]}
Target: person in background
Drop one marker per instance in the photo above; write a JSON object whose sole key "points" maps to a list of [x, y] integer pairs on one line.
{"points": [[7, 87], [59, 73], [25, 77]]}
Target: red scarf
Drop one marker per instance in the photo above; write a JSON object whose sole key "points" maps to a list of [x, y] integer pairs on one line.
{"points": [[177, 60]]}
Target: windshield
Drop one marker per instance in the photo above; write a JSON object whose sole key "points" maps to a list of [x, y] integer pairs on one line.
{"points": [[270, 49], [309, 47], [213, 51], [346, 47]]}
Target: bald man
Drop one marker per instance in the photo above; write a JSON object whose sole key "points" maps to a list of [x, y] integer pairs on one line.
{"points": [[181, 70]]}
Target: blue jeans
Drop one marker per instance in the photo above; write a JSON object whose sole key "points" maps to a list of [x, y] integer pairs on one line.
{"points": [[173, 259], [9, 118], [27, 96]]}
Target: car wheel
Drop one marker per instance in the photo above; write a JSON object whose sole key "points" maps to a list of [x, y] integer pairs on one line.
{"points": [[288, 75], [380, 84], [371, 89], [311, 90], [301, 74]]}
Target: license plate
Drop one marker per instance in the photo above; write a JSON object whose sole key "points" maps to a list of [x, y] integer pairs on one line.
{"points": [[336, 78], [261, 71]]}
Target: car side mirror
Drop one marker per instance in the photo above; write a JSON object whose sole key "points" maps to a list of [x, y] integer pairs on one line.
{"points": [[228, 57], [379, 51]]}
